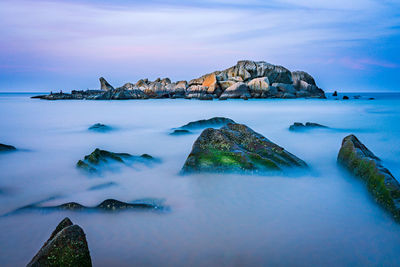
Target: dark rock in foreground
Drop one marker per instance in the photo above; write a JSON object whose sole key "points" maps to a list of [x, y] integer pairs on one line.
{"points": [[6, 148], [247, 79], [180, 132], [99, 127], [213, 122], [236, 147], [67, 246], [298, 126], [362, 163], [98, 156]]}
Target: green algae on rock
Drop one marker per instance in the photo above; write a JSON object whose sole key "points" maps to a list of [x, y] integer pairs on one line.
{"points": [[362, 163], [236, 147], [67, 246]]}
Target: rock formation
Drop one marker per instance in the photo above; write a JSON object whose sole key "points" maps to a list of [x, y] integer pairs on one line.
{"points": [[67, 246], [298, 126], [91, 162], [362, 163], [99, 127], [236, 147], [247, 79], [213, 122], [6, 148]]}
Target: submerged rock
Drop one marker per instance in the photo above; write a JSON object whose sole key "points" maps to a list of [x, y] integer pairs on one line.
{"points": [[102, 186], [334, 93], [298, 126], [106, 205], [236, 147], [345, 97], [362, 163], [99, 127], [213, 122], [180, 132], [98, 156], [7, 148], [67, 246]]}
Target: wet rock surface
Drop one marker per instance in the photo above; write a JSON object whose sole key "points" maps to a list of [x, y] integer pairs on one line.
{"points": [[91, 162], [247, 79], [99, 127], [361, 162], [236, 147], [298, 126], [7, 148], [67, 246], [180, 132]]}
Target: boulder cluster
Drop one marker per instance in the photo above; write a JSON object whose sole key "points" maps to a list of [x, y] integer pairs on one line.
{"points": [[247, 79]]}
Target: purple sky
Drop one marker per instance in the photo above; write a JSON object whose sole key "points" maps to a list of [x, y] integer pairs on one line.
{"points": [[51, 45]]}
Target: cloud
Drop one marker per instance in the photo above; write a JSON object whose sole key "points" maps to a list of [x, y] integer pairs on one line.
{"points": [[125, 37]]}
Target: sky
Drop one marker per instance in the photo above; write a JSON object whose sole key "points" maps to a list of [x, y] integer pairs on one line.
{"points": [[346, 45]]}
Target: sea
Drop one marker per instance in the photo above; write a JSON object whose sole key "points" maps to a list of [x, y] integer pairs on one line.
{"points": [[321, 217]]}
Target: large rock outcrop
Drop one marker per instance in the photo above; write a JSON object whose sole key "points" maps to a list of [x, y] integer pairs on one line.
{"points": [[247, 79], [67, 246], [362, 163], [236, 147]]}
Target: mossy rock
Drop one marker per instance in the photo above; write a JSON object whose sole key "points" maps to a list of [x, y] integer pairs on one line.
{"points": [[362, 163], [91, 162], [237, 148], [67, 246]]}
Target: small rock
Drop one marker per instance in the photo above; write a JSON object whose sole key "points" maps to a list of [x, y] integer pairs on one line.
{"points": [[345, 97], [298, 126], [6, 148], [180, 132], [213, 122], [334, 93], [99, 127]]}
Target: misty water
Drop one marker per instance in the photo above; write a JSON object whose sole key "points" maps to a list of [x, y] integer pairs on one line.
{"points": [[323, 217]]}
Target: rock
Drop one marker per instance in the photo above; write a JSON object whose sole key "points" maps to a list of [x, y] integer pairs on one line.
{"points": [[361, 162], [298, 126], [180, 132], [104, 85], [230, 83], [213, 122], [259, 87], [236, 91], [236, 147], [345, 97], [6, 148], [334, 93], [285, 88], [67, 246], [92, 161], [99, 127], [303, 76], [371, 98]]}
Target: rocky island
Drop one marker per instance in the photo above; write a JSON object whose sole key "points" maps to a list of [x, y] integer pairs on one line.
{"points": [[247, 79]]}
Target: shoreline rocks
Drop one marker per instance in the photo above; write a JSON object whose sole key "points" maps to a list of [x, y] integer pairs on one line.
{"points": [[247, 79], [361, 162], [237, 148], [67, 246]]}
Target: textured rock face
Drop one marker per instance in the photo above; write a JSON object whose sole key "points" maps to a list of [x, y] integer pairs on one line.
{"points": [[6, 148], [237, 90], [67, 246], [262, 79], [236, 147], [362, 163], [104, 85]]}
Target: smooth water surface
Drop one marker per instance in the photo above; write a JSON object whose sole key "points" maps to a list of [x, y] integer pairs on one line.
{"points": [[324, 217]]}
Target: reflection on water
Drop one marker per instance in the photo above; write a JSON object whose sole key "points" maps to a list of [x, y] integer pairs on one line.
{"points": [[324, 217]]}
